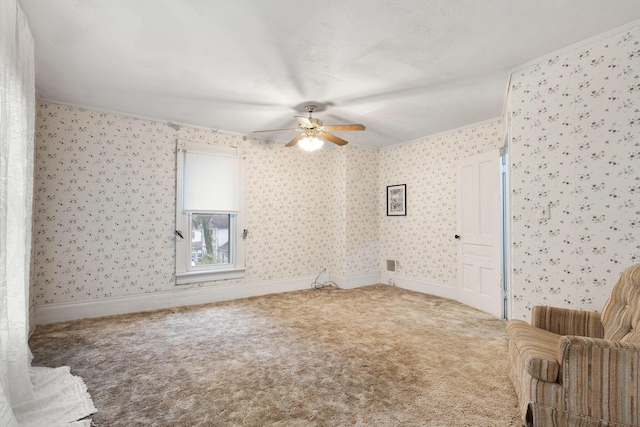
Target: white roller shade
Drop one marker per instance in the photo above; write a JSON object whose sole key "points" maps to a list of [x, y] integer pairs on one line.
{"points": [[211, 183]]}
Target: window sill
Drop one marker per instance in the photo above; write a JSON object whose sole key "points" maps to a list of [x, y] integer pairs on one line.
{"points": [[209, 276]]}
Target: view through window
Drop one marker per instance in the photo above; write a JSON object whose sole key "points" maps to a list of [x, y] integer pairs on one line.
{"points": [[210, 239]]}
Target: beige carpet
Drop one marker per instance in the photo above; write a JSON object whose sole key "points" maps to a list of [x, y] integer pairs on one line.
{"points": [[374, 356]]}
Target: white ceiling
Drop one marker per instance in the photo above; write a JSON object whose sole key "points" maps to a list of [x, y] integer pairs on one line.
{"points": [[404, 68]]}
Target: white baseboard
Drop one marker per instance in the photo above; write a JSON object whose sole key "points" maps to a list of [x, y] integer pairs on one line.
{"points": [[421, 285], [351, 282], [61, 312]]}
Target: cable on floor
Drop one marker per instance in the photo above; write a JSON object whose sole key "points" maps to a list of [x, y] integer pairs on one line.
{"points": [[324, 286]]}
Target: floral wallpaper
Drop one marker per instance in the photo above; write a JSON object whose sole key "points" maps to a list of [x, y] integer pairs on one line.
{"points": [[354, 213], [422, 242], [287, 211], [338, 214], [363, 219], [104, 201], [102, 222], [575, 148], [105, 196]]}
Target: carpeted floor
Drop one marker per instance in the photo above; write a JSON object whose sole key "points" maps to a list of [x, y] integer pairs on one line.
{"points": [[374, 356]]}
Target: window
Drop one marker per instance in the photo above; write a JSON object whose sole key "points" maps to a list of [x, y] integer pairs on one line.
{"points": [[209, 201]]}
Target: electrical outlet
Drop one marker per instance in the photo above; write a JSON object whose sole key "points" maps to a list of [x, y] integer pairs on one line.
{"points": [[546, 212]]}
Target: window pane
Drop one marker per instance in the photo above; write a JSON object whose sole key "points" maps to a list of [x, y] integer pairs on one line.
{"points": [[210, 239]]}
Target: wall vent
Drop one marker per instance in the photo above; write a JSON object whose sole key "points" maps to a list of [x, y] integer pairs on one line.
{"points": [[392, 265]]}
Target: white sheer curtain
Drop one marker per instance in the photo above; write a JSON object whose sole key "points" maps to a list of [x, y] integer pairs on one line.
{"points": [[28, 396]]}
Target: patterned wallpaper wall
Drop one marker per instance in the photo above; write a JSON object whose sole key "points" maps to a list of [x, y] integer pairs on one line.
{"points": [[103, 221], [362, 211], [354, 213], [288, 211], [104, 205], [575, 147], [422, 242], [338, 213]]}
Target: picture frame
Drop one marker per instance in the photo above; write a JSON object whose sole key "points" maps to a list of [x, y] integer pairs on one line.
{"points": [[397, 200]]}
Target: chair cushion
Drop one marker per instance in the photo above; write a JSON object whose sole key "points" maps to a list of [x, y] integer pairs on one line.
{"points": [[621, 313], [538, 349]]}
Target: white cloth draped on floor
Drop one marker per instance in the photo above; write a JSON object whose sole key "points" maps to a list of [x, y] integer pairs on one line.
{"points": [[29, 396]]}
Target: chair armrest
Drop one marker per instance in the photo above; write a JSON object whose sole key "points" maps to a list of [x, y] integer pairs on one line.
{"points": [[564, 321], [600, 378]]}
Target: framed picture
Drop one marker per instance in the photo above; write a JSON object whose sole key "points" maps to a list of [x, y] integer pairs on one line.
{"points": [[397, 200]]}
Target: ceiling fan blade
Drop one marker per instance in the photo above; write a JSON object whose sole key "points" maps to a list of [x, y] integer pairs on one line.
{"points": [[315, 122], [275, 130], [345, 127], [305, 123], [295, 140], [332, 138]]}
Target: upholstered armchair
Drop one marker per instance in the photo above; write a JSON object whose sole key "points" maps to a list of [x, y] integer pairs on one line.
{"points": [[580, 368]]}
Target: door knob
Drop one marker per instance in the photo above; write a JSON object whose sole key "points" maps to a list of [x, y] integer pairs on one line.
{"points": [[457, 237]]}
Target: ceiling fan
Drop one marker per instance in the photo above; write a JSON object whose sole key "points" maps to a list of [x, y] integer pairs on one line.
{"points": [[313, 129]]}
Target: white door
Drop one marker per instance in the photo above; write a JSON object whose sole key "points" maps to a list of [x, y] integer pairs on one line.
{"points": [[479, 272]]}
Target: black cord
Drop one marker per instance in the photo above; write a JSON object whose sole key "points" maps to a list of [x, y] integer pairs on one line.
{"points": [[324, 286]]}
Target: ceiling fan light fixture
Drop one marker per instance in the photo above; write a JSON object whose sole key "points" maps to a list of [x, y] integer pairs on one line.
{"points": [[311, 128], [310, 143]]}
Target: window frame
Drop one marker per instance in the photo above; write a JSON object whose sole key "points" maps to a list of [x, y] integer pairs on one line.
{"points": [[185, 273]]}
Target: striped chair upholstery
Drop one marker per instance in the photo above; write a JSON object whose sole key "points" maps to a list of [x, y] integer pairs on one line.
{"points": [[580, 368]]}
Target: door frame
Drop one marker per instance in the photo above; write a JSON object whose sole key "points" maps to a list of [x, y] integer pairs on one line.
{"points": [[505, 242]]}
